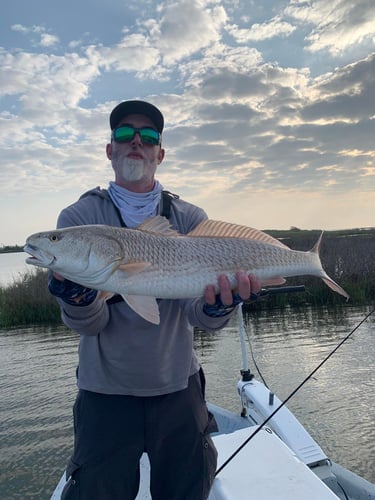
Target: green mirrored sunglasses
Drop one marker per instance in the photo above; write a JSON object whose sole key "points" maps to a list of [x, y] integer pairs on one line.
{"points": [[126, 133]]}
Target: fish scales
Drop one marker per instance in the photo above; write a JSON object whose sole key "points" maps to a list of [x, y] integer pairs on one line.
{"points": [[192, 263]]}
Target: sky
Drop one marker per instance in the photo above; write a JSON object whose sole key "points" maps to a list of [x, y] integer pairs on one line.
{"points": [[269, 106]]}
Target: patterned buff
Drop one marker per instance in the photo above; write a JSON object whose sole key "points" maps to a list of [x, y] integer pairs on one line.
{"points": [[135, 207]]}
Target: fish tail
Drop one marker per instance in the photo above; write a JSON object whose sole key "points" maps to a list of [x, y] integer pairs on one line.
{"points": [[327, 280], [316, 247]]}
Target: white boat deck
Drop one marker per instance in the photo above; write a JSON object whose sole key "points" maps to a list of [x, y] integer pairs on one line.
{"points": [[265, 469]]}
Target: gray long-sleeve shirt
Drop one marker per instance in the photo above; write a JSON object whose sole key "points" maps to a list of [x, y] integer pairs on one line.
{"points": [[120, 352]]}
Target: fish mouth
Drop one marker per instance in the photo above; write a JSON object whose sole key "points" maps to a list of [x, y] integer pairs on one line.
{"points": [[38, 257]]}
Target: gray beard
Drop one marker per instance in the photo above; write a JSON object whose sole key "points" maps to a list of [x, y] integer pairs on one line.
{"points": [[132, 170]]}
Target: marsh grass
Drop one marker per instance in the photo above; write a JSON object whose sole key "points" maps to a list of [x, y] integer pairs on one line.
{"points": [[27, 301], [347, 256]]}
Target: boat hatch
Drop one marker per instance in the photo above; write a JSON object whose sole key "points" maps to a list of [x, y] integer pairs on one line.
{"points": [[265, 469]]}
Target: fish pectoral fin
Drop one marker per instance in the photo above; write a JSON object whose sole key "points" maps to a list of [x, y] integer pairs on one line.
{"points": [[273, 281], [145, 306], [134, 267]]}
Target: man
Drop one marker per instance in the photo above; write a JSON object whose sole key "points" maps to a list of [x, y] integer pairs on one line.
{"points": [[141, 388]]}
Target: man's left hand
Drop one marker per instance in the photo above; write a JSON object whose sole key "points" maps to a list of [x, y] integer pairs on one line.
{"points": [[246, 285]]}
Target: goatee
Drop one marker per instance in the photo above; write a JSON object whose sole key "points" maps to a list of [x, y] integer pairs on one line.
{"points": [[132, 169]]}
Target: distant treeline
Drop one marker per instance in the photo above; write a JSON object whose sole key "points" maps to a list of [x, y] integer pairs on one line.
{"points": [[347, 256], [11, 249]]}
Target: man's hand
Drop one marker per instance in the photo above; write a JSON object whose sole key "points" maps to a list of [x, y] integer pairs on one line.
{"points": [[58, 276], [246, 285], [218, 305], [70, 292]]}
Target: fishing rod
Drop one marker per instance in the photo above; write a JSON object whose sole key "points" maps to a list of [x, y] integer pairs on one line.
{"points": [[293, 392]]}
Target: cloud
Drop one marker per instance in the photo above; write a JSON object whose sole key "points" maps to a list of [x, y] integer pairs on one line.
{"points": [[132, 53], [46, 85], [275, 27], [219, 59], [44, 39], [337, 25], [47, 40], [185, 27], [344, 95]]}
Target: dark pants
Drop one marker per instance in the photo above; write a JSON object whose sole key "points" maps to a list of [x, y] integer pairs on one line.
{"points": [[112, 432]]}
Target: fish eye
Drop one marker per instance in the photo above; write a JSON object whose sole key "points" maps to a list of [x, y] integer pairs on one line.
{"points": [[54, 237]]}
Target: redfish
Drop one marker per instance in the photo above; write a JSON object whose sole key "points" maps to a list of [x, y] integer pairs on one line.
{"points": [[154, 261]]}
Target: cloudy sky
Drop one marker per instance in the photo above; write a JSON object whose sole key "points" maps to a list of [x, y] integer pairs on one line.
{"points": [[269, 106]]}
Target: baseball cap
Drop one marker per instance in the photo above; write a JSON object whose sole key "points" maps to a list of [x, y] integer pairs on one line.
{"points": [[136, 107]]}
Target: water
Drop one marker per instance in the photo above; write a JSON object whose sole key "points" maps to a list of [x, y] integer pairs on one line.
{"points": [[37, 386], [37, 389], [337, 404], [12, 266]]}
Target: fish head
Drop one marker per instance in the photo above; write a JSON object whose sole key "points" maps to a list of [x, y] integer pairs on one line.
{"points": [[84, 254]]}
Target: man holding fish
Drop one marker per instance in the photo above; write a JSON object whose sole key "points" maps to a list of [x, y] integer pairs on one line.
{"points": [[141, 388]]}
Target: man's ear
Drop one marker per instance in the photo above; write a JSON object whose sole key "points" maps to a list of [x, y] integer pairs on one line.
{"points": [[161, 155], [108, 150]]}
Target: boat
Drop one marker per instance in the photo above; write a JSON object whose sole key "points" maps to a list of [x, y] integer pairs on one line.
{"points": [[265, 453]]}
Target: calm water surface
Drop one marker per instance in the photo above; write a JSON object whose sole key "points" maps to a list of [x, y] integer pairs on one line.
{"points": [[37, 389], [12, 266]]}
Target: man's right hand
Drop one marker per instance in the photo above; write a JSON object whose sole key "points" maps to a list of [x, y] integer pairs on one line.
{"points": [[70, 292]]}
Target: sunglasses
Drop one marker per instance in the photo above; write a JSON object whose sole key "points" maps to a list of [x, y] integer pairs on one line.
{"points": [[126, 133]]}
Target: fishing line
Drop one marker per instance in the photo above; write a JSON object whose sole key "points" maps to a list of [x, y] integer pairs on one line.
{"points": [[254, 361], [293, 393], [246, 330], [264, 292]]}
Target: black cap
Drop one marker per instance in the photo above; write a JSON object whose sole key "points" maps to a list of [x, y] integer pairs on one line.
{"points": [[136, 108]]}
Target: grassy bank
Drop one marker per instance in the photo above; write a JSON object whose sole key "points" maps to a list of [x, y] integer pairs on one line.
{"points": [[347, 256], [27, 301]]}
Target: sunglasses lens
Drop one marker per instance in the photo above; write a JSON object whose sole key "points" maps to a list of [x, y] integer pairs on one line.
{"points": [[123, 134], [126, 134], [149, 136]]}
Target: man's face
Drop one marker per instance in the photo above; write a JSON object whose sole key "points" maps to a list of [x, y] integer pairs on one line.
{"points": [[135, 162]]}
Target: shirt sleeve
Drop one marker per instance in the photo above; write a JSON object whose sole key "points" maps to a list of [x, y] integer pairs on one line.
{"points": [[86, 320]]}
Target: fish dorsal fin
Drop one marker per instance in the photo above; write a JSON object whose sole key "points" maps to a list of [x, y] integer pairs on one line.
{"points": [[219, 229], [158, 225]]}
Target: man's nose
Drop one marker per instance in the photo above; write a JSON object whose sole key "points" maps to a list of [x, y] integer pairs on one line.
{"points": [[136, 139]]}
